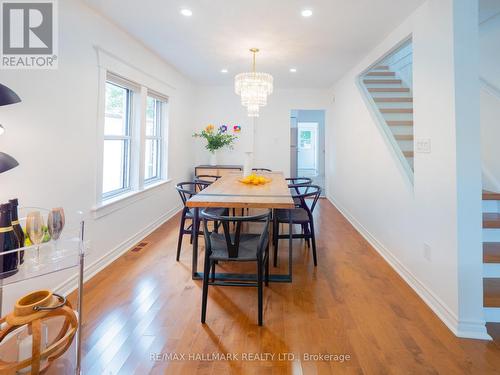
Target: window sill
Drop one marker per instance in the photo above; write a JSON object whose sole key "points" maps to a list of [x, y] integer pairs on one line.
{"points": [[121, 201]]}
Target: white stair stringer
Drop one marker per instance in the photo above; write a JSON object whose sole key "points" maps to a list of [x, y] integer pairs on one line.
{"points": [[393, 102]]}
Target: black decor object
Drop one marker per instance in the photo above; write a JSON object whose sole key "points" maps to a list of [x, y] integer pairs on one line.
{"points": [[7, 96], [235, 246], [7, 162], [302, 214]]}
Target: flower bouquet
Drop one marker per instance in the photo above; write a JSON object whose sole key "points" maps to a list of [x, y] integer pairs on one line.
{"points": [[216, 139]]}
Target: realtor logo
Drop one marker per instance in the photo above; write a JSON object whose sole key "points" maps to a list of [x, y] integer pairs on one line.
{"points": [[29, 34]]}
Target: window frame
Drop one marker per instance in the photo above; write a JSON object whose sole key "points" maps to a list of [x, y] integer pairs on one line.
{"points": [[136, 111], [160, 130], [127, 162]]}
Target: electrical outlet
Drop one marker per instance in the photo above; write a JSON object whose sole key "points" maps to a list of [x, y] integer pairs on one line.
{"points": [[427, 252], [423, 145]]}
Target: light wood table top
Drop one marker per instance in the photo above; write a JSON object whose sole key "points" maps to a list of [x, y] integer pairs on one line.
{"points": [[229, 192]]}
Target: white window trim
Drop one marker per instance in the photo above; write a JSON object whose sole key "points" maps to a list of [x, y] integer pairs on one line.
{"points": [[124, 200], [110, 65], [130, 115], [162, 130]]}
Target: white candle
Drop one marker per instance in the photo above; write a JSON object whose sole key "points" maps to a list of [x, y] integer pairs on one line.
{"points": [[25, 345]]}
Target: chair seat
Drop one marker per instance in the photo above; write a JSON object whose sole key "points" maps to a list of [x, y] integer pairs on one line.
{"points": [[299, 215], [213, 211], [247, 249]]}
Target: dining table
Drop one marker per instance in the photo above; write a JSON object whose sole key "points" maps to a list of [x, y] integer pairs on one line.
{"points": [[230, 192]]}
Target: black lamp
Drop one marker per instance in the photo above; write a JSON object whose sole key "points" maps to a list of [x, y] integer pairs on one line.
{"points": [[7, 162], [7, 96]]}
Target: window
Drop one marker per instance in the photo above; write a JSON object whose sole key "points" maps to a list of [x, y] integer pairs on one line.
{"points": [[117, 139], [134, 137], [154, 140]]}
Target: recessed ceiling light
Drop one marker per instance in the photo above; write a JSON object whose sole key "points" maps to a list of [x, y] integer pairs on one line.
{"points": [[224, 70], [307, 13], [186, 12], [293, 70]]}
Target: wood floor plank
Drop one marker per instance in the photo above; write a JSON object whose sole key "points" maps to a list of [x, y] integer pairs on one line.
{"points": [[491, 220], [491, 196], [353, 303]]}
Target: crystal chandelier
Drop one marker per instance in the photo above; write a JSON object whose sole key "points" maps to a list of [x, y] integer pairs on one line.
{"points": [[253, 88]]}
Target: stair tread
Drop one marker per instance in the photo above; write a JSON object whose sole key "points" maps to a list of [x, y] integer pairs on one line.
{"points": [[396, 110], [400, 122], [491, 292], [490, 196], [388, 89], [383, 81], [385, 74], [408, 154], [393, 100], [381, 67], [491, 220], [491, 252], [403, 137]]}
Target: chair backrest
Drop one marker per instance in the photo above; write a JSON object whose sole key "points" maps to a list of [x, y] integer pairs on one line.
{"points": [[261, 170], [299, 181], [204, 179], [187, 189], [233, 238], [302, 192]]}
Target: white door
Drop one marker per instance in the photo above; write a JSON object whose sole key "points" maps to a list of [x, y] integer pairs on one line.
{"points": [[308, 146]]}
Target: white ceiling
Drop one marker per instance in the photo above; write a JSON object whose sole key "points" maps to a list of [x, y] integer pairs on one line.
{"points": [[220, 32]]}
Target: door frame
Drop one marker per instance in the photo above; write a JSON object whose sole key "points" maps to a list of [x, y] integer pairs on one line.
{"points": [[315, 126]]}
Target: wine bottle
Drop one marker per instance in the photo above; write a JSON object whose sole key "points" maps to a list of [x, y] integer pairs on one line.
{"points": [[8, 241], [18, 230]]}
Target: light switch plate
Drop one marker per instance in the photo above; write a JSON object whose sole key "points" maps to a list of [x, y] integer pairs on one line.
{"points": [[423, 145]]}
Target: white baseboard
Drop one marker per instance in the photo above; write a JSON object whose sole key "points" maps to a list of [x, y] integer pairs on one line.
{"points": [[465, 329], [98, 265]]}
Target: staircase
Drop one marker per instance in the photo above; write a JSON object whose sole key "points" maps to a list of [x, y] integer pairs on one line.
{"points": [[394, 101], [491, 256]]}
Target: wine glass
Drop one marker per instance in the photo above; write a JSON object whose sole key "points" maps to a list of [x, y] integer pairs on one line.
{"points": [[55, 223], [34, 230]]}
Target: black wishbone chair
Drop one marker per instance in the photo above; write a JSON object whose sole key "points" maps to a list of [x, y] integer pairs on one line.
{"points": [[236, 246], [299, 182], [186, 190], [302, 214], [208, 179]]}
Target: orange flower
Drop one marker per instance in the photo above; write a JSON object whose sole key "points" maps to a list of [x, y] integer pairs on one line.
{"points": [[210, 128]]}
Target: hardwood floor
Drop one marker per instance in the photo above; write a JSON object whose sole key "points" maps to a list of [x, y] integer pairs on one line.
{"points": [[352, 304]]}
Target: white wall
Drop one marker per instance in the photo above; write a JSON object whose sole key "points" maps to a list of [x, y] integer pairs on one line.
{"points": [[220, 105], [489, 41], [400, 219], [52, 133]]}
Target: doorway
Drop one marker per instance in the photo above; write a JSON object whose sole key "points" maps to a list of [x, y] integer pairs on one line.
{"points": [[307, 146]]}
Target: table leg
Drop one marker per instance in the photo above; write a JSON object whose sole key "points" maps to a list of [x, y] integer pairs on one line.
{"points": [[196, 214], [290, 245]]}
